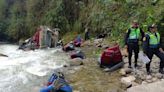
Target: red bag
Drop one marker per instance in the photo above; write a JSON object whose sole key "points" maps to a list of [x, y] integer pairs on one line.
{"points": [[111, 56]]}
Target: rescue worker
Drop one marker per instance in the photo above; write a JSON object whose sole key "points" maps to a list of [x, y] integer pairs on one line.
{"points": [[151, 46], [132, 37], [57, 83]]}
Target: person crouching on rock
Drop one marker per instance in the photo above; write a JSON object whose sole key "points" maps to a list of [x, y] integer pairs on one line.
{"points": [[57, 83], [151, 46]]}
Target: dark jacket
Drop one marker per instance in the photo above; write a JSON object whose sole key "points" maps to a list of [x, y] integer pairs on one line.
{"points": [[127, 35], [146, 44]]}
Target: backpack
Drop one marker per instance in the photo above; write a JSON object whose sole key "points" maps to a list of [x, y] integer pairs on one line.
{"points": [[111, 56]]}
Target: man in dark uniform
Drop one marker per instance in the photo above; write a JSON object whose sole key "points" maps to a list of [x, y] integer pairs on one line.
{"points": [[132, 37], [151, 46]]}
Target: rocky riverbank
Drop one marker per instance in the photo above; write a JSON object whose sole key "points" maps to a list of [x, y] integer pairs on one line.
{"points": [[89, 77], [138, 76]]}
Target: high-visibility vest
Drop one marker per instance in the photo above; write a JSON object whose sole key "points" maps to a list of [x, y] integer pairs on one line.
{"points": [[154, 40], [134, 33]]}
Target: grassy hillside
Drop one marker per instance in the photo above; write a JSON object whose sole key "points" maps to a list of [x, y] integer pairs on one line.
{"points": [[20, 18]]}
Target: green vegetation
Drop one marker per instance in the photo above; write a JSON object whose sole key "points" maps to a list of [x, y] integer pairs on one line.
{"points": [[20, 18]]}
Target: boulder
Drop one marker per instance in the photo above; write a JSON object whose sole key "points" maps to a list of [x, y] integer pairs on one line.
{"points": [[144, 82], [154, 79], [134, 84], [127, 81], [98, 41], [76, 62], [152, 87], [125, 71], [122, 72], [106, 70], [128, 70], [159, 75], [149, 77], [149, 81]]}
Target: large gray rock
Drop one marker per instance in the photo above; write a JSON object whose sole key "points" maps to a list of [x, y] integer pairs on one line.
{"points": [[125, 71], [76, 62], [149, 77], [144, 82], [155, 79], [127, 81], [152, 87], [122, 72], [159, 75]]}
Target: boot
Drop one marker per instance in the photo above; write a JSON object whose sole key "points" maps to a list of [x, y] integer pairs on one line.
{"points": [[148, 73], [135, 65], [129, 66]]}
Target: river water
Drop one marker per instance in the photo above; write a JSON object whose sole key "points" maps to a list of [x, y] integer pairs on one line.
{"points": [[27, 71]]}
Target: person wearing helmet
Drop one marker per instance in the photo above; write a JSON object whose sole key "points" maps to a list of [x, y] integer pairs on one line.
{"points": [[57, 83], [151, 46], [132, 37]]}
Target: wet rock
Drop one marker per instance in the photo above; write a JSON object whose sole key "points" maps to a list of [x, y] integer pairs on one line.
{"points": [[142, 77], [149, 77], [106, 70], [134, 84], [140, 74], [127, 81], [122, 72], [128, 70], [159, 75], [154, 79], [76, 62], [144, 82], [149, 81]]}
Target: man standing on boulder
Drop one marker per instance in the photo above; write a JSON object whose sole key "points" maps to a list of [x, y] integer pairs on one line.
{"points": [[151, 46], [132, 37]]}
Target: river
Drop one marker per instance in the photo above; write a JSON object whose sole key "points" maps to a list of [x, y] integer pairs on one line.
{"points": [[27, 71]]}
